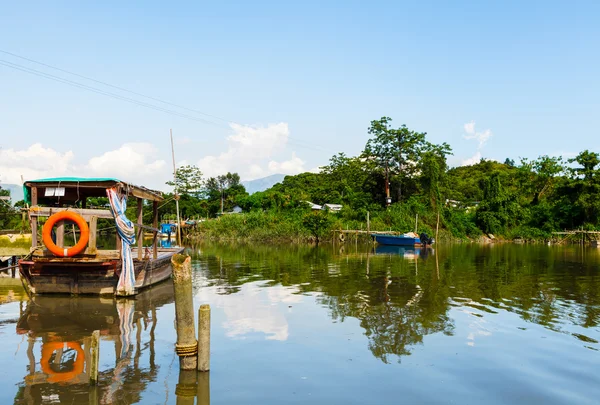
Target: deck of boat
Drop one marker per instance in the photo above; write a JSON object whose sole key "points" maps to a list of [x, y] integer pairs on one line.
{"points": [[53, 275]]}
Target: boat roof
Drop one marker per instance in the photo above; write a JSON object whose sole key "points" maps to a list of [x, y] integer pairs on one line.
{"points": [[83, 187]]}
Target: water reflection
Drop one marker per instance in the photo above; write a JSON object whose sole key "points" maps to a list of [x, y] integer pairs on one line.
{"points": [[401, 295], [359, 324], [62, 327]]}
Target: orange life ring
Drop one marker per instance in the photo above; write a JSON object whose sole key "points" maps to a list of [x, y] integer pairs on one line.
{"points": [[55, 376], [83, 237]]}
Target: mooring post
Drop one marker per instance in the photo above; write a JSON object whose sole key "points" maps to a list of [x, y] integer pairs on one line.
{"points": [[204, 338], [186, 389], [187, 346], [94, 357]]}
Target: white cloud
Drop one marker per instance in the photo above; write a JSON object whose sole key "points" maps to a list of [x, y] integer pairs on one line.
{"points": [[134, 162], [292, 166], [34, 162], [254, 309], [476, 158], [480, 137], [470, 127], [252, 151]]}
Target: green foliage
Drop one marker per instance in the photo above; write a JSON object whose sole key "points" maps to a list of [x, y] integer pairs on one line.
{"points": [[188, 180], [528, 200], [317, 223], [395, 150], [10, 217]]}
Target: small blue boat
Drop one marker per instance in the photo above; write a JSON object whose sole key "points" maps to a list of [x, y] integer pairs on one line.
{"points": [[403, 240]]}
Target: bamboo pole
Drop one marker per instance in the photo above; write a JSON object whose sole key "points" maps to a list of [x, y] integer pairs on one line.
{"points": [[187, 346], [204, 338], [176, 196]]}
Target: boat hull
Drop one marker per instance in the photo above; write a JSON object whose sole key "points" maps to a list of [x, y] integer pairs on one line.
{"points": [[43, 276], [396, 240]]}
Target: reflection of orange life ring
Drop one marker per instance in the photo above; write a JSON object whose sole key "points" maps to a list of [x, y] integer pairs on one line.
{"points": [[55, 376], [62, 251]]}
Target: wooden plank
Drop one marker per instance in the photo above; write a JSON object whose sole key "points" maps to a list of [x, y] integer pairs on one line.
{"points": [[93, 234], [87, 254], [85, 213], [155, 225], [140, 236], [60, 233], [34, 201]]}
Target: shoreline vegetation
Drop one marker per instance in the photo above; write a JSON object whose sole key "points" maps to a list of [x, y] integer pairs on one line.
{"points": [[400, 174]]}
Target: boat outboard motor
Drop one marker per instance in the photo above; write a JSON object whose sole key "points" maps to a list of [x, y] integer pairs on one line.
{"points": [[425, 239]]}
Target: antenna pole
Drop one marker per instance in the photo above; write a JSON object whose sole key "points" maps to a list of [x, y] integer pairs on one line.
{"points": [[176, 196]]}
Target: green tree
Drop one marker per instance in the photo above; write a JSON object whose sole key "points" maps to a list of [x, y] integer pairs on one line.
{"points": [[188, 180], [396, 150], [317, 223], [224, 192]]}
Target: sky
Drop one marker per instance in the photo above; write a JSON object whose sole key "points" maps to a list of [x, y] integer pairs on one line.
{"points": [[267, 87]]}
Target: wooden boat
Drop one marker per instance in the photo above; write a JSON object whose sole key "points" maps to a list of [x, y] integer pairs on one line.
{"points": [[53, 268], [407, 239]]}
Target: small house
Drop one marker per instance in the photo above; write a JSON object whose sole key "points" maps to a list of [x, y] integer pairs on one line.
{"points": [[332, 207]]}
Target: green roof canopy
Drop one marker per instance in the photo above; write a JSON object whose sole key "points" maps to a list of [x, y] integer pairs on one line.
{"points": [[82, 187]]}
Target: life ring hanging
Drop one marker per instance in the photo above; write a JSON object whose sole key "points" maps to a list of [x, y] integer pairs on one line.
{"points": [[56, 376], [62, 251]]}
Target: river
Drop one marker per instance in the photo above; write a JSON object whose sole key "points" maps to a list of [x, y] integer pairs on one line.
{"points": [[465, 324]]}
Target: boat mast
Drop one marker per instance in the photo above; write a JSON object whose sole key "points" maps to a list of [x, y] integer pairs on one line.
{"points": [[176, 197]]}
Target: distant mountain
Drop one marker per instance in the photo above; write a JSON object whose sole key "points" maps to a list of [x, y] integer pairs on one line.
{"points": [[252, 186], [16, 191]]}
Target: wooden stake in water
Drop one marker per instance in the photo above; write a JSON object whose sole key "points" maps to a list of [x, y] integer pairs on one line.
{"points": [[204, 338], [416, 222], [94, 357], [187, 346], [437, 226]]}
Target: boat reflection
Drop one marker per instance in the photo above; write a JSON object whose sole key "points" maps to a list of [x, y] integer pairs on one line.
{"points": [[63, 327], [408, 252]]}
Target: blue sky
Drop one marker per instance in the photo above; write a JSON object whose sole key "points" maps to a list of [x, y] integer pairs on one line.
{"points": [[292, 83]]}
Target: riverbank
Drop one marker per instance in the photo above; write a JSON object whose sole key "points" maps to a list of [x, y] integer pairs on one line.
{"points": [[291, 226]]}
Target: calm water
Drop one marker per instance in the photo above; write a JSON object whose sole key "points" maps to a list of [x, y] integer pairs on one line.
{"points": [[467, 324]]}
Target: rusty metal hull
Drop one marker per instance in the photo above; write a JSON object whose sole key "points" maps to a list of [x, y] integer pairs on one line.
{"points": [[55, 276]]}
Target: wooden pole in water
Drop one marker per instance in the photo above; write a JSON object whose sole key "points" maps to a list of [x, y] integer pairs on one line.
{"points": [[437, 226], [187, 346], [176, 197], [368, 223], [416, 222], [95, 357], [204, 338]]}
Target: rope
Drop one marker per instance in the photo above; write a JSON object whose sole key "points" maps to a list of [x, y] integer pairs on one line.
{"points": [[187, 350]]}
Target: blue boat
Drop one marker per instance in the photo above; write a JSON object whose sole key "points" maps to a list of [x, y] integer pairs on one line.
{"points": [[403, 240]]}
